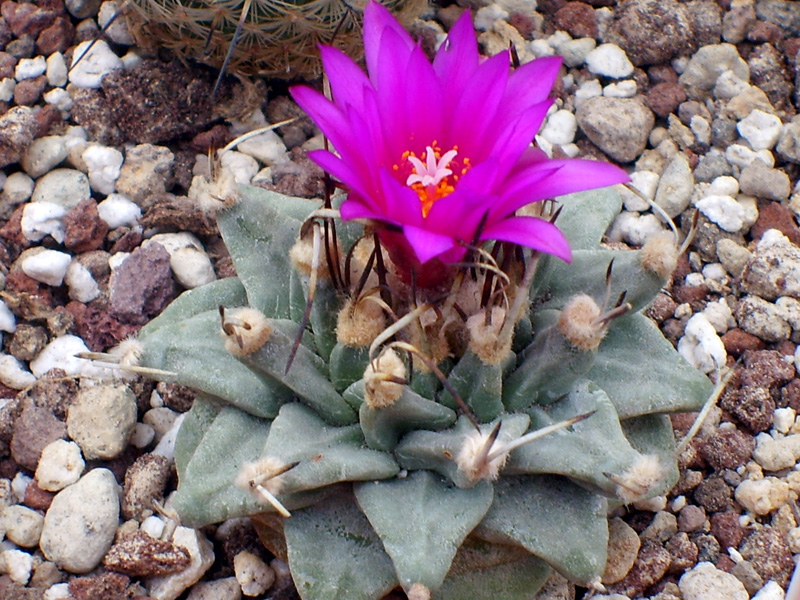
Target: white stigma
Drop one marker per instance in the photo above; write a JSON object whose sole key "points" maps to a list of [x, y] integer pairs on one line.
{"points": [[432, 172]]}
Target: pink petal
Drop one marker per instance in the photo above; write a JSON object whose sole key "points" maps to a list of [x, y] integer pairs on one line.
{"points": [[346, 78], [510, 143], [531, 232], [427, 244], [355, 209], [377, 22], [342, 171], [457, 57], [424, 99], [401, 203], [329, 118], [532, 82]]}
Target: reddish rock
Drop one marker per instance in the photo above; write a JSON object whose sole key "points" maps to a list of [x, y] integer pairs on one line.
{"points": [[11, 232], [694, 295], [768, 552], [97, 327], [737, 341], [766, 368], [578, 19], [662, 73], [763, 31], [56, 38], [213, 139], [726, 528], [713, 494], [727, 448], [650, 566], [127, 242], [790, 395], [523, 23], [683, 553], [28, 91], [691, 518], [138, 554], [664, 98], [108, 586], [37, 498], [752, 407], [35, 429], [26, 19], [47, 116], [142, 285], [84, 229], [651, 31], [774, 215], [688, 481]]}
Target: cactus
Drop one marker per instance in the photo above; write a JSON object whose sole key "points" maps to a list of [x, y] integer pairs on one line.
{"points": [[277, 39], [407, 446]]}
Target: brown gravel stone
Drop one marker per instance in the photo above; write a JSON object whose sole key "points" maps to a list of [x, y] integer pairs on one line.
{"points": [[708, 548], [35, 429], [745, 572], [753, 407], [683, 552], [27, 341], [691, 518], [7, 65], [97, 327], [299, 177], [765, 32], [145, 481], [178, 213], [662, 308], [651, 31], [213, 139], [769, 553], [36, 497], [48, 118], [623, 547], [17, 131], [737, 341], [108, 586], [54, 392], [790, 395], [726, 528], [523, 23], [695, 295], [84, 229], [177, 397], [138, 554], [578, 19], [766, 368], [689, 480], [56, 38], [713, 494], [26, 19], [727, 448], [664, 98], [142, 286], [773, 215], [650, 566]]}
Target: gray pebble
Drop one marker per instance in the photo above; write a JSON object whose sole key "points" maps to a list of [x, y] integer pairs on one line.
{"points": [[101, 420], [762, 319], [761, 181], [80, 524], [676, 186], [65, 187], [618, 126], [712, 165], [708, 64], [774, 269], [43, 155], [789, 143], [23, 525]]}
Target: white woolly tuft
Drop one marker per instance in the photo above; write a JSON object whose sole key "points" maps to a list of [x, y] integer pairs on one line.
{"points": [[473, 461], [640, 478]]}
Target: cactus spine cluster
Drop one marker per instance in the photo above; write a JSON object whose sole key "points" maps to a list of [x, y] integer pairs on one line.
{"points": [[457, 442], [277, 39]]}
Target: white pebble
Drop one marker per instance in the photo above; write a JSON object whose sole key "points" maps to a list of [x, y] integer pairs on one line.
{"points": [[724, 185], [60, 465], [539, 48], [771, 591], [47, 266], [760, 129], [96, 64], [118, 30], [635, 229], [202, 556], [741, 156], [644, 181], [58, 591], [118, 211], [700, 344], [30, 68], [43, 155], [7, 87], [706, 582], [268, 148], [486, 16], [81, 283], [40, 219], [104, 165], [20, 484], [588, 89], [143, 435], [242, 166], [174, 241], [8, 322], [621, 89], [13, 374], [783, 419], [694, 279], [701, 129], [560, 128], [715, 272], [166, 445], [66, 187], [719, 314], [254, 576], [60, 354], [22, 525], [575, 51], [678, 503], [192, 267], [609, 60], [724, 211], [17, 188], [56, 70], [154, 525], [60, 98], [18, 565], [762, 496]]}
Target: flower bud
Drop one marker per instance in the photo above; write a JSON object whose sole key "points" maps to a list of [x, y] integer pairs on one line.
{"points": [[484, 338], [245, 330], [359, 324], [660, 254], [380, 386], [579, 323]]}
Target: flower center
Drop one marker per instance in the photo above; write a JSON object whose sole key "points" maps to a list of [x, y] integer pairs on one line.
{"points": [[432, 175]]}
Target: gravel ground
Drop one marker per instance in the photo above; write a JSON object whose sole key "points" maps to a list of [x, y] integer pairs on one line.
{"points": [[102, 172]]}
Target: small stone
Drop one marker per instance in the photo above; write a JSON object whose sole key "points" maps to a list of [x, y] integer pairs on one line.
{"points": [[676, 186], [769, 553], [663, 526], [762, 496], [34, 429], [706, 582], [707, 64], [774, 269], [142, 286], [789, 142], [618, 126], [169, 587], [664, 98], [683, 551], [145, 482], [138, 554], [713, 494], [727, 448], [777, 454], [61, 464], [254, 576], [96, 64], [118, 211], [700, 344], [609, 60], [17, 131], [82, 285], [757, 179], [760, 129], [104, 165], [219, 589], [46, 266], [101, 420], [18, 565], [651, 31], [108, 586], [22, 525], [80, 524], [65, 187], [762, 319], [43, 155], [623, 547], [691, 518], [650, 566], [83, 229], [145, 172], [725, 526]]}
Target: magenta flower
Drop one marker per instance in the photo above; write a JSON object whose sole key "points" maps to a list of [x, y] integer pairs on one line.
{"points": [[440, 153]]}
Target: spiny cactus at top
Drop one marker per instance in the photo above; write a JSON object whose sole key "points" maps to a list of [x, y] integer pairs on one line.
{"points": [[277, 39], [424, 394]]}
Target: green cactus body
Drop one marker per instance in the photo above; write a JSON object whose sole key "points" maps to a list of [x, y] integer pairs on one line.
{"points": [[421, 479]]}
